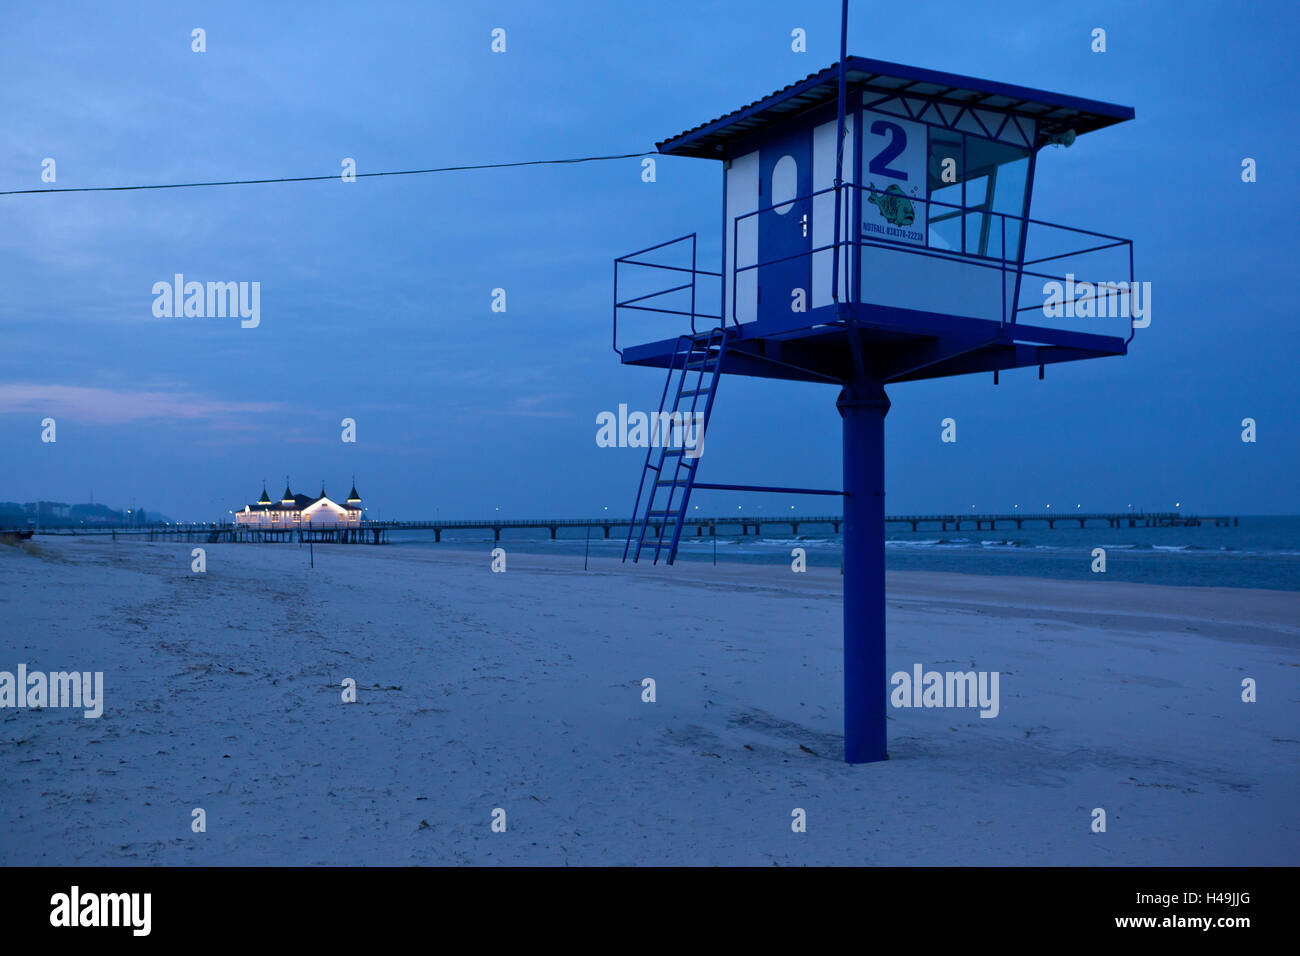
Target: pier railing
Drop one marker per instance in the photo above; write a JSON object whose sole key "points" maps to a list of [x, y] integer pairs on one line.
{"points": [[916, 522]]}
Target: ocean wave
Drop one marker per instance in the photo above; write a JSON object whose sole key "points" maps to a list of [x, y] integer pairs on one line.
{"points": [[800, 542]]}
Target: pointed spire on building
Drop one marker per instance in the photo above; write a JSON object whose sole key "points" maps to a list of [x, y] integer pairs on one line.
{"points": [[288, 495], [264, 500], [353, 497]]}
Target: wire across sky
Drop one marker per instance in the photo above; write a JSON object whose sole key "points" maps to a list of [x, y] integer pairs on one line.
{"points": [[313, 179]]}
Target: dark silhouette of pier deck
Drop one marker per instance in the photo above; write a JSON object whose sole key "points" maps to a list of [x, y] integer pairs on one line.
{"points": [[376, 532]]}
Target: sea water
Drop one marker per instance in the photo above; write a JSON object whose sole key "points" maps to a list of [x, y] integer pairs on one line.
{"points": [[1259, 552]]}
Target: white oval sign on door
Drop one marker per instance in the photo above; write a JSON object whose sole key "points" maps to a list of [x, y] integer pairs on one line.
{"points": [[785, 180]]}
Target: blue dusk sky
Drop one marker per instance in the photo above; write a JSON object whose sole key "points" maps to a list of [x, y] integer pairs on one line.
{"points": [[376, 295]]}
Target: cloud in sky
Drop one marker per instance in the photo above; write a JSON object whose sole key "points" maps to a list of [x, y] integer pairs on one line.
{"points": [[108, 406]]}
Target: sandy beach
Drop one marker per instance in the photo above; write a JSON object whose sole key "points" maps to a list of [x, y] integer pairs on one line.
{"points": [[523, 691]]}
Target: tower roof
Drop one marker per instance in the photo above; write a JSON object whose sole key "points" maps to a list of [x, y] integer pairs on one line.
{"points": [[352, 495], [288, 495], [1054, 112], [264, 500]]}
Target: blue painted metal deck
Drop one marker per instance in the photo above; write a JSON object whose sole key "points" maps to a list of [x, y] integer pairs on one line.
{"points": [[904, 345]]}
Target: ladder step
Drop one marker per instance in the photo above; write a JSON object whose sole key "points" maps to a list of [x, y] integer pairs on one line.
{"points": [[702, 353]]}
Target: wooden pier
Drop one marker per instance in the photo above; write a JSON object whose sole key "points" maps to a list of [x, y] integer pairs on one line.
{"points": [[376, 532]]}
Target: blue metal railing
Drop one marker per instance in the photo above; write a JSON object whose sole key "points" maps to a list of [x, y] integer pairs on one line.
{"points": [[1005, 266], [630, 260], [1011, 267]]}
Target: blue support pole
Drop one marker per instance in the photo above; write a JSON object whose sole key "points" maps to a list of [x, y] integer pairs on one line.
{"points": [[863, 405]]}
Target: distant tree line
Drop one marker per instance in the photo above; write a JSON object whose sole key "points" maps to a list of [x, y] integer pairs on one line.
{"points": [[56, 514]]}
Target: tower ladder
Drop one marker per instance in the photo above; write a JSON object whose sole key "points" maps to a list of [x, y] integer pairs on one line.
{"points": [[696, 365]]}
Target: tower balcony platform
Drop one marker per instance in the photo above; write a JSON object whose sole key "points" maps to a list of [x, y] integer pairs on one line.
{"points": [[966, 312]]}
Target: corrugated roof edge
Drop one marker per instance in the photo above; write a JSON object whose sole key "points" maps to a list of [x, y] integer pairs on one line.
{"points": [[1106, 113]]}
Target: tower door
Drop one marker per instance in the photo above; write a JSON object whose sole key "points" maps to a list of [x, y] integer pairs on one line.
{"points": [[785, 225]]}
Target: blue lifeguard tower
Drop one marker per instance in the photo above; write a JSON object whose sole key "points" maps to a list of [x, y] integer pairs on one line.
{"points": [[876, 230]]}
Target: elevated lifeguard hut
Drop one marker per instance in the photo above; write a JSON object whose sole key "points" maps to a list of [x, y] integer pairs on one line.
{"points": [[876, 230]]}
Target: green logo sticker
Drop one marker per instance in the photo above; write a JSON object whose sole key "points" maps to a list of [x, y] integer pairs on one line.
{"points": [[893, 205]]}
